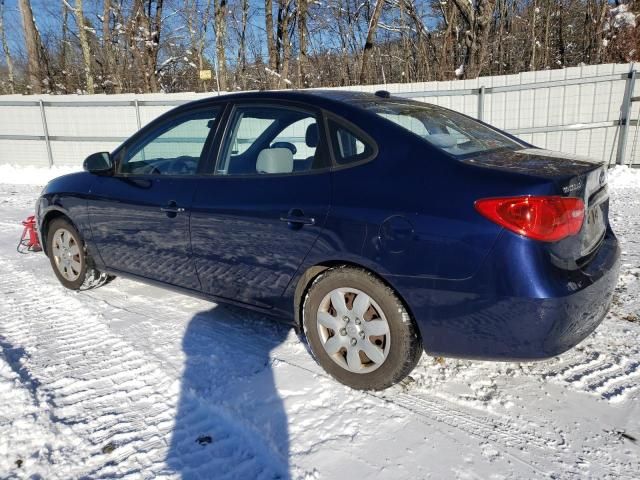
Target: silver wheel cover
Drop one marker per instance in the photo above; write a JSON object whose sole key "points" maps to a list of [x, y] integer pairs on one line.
{"points": [[353, 330], [66, 254]]}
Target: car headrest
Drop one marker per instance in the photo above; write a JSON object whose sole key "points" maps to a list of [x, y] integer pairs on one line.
{"points": [[275, 160], [442, 140], [311, 136]]}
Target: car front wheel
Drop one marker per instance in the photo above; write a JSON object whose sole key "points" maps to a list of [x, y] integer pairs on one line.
{"points": [[69, 259], [359, 330]]}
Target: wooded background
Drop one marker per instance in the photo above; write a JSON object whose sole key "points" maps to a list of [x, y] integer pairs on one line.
{"points": [[138, 46]]}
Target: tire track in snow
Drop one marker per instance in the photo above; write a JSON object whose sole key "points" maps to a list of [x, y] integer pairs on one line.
{"points": [[520, 435], [108, 393], [480, 424], [610, 376]]}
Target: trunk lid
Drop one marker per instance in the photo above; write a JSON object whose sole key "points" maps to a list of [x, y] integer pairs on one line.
{"points": [[569, 176]]}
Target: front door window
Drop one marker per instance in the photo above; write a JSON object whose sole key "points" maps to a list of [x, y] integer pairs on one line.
{"points": [[175, 148]]}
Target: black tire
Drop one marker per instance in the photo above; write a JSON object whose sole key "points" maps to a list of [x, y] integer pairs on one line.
{"points": [[88, 276], [405, 347]]}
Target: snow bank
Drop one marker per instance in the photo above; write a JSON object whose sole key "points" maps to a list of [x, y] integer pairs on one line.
{"points": [[624, 177], [21, 175]]}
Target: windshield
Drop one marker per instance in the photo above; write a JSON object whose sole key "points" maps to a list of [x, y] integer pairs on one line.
{"points": [[447, 130]]}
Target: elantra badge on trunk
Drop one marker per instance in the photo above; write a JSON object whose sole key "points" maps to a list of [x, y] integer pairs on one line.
{"points": [[572, 187]]}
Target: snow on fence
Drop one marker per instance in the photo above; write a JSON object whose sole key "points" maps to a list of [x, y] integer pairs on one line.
{"points": [[588, 110]]}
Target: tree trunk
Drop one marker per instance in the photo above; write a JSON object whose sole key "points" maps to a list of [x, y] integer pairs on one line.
{"points": [[302, 43], [5, 49], [502, 9], [547, 30], [368, 45], [32, 43], [532, 59], [220, 19], [447, 61], [241, 69], [600, 31], [424, 39], [106, 28], [197, 28], [154, 47], [84, 45], [478, 16], [108, 50], [271, 44], [145, 46], [561, 46], [345, 73], [283, 47], [64, 49]]}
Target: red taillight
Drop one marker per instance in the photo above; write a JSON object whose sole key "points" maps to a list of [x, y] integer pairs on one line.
{"points": [[548, 219]]}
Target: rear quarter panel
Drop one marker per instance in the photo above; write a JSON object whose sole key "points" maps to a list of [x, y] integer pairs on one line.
{"points": [[410, 211]]}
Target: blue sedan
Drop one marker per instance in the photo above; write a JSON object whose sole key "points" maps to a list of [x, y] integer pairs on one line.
{"points": [[379, 226]]}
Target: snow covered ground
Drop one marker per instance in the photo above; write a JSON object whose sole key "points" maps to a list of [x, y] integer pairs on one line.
{"points": [[134, 381]]}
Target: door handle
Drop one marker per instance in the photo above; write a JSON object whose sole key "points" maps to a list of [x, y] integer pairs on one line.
{"points": [[296, 219], [172, 209]]}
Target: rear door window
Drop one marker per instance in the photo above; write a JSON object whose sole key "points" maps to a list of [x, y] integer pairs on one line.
{"points": [[265, 139]]}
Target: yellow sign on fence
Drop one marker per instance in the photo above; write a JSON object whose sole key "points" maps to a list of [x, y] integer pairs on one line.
{"points": [[205, 74]]}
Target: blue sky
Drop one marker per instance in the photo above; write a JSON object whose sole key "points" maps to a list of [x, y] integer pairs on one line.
{"points": [[48, 15]]}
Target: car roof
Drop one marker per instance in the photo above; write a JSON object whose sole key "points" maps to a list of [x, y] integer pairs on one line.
{"points": [[321, 97]]}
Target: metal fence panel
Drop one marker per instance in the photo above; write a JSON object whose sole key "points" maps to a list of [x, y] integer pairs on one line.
{"points": [[578, 110]]}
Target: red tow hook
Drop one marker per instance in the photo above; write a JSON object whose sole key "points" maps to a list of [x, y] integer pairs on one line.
{"points": [[29, 241]]}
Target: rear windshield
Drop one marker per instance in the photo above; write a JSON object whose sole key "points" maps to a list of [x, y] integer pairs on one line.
{"points": [[447, 130]]}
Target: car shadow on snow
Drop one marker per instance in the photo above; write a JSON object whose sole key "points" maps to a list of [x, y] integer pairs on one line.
{"points": [[230, 419]]}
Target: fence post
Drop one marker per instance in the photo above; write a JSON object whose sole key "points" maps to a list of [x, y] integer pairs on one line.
{"points": [[625, 112], [137, 105], [45, 130], [481, 103]]}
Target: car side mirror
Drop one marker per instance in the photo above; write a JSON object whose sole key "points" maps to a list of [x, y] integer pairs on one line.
{"points": [[99, 163]]}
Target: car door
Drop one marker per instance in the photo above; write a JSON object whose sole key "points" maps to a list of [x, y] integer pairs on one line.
{"points": [[259, 213], [140, 215]]}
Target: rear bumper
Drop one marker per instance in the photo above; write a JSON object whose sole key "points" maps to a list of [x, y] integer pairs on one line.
{"points": [[475, 319]]}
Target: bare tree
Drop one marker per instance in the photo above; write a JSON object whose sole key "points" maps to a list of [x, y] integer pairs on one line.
{"points": [[283, 46], [34, 47], [368, 45], [198, 23], [64, 49], [220, 19], [241, 63], [534, 40], [143, 47], [302, 42], [478, 16], [421, 54], [111, 74], [84, 44], [271, 43], [144, 32], [5, 49]]}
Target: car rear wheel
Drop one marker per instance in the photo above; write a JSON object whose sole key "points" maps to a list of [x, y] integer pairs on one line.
{"points": [[69, 259], [359, 330]]}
